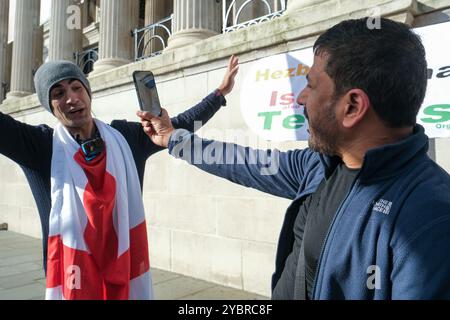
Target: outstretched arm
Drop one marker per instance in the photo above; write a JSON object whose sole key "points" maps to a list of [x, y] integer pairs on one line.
{"points": [[274, 172], [29, 146], [206, 109]]}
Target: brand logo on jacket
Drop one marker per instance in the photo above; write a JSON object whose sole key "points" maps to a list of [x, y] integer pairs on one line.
{"points": [[382, 206]]}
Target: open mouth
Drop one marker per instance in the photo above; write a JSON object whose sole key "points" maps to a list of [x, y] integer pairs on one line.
{"points": [[76, 111]]}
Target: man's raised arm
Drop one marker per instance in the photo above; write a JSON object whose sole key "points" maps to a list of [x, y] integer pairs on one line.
{"points": [[207, 108]]}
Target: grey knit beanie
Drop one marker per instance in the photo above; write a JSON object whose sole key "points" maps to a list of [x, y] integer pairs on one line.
{"points": [[50, 73]]}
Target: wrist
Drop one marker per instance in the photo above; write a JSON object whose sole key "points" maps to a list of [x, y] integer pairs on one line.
{"points": [[167, 138], [220, 92]]}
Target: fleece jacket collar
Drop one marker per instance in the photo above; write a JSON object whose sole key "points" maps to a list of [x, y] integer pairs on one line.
{"points": [[386, 161]]}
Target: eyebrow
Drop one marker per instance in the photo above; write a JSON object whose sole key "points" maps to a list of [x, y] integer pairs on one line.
{"points": [[60, 85]]}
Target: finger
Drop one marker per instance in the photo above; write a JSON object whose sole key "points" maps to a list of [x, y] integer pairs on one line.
{"points": [[145, 115], [155, 123], [234, 61], [164, 113], [230, 66], [152, 131], [148, 130], [234, 72], [230, 62]]}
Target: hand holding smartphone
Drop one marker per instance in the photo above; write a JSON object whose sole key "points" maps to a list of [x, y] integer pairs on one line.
{"points": [[144, 81]]}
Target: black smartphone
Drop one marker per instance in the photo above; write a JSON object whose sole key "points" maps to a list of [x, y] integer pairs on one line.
{"points": [[144, 81]]}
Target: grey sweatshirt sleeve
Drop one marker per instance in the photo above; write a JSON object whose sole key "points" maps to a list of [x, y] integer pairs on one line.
{"points": [[270, 171]]}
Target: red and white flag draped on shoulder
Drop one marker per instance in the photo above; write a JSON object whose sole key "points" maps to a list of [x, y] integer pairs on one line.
{"points": [[97, 246]]}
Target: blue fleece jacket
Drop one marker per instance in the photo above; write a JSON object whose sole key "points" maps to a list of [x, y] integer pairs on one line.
{"points": [[390, 238]]}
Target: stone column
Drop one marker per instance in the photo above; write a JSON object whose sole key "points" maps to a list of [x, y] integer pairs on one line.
{"points": [[65, 30], [27, 47], [116, 45], [155, 10], [252, 10], [194, 20], [91, 12], [4, 18], [294, 5]]}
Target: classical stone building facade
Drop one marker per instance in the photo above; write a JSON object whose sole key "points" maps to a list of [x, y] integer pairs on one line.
{"points": [[198, 225]]}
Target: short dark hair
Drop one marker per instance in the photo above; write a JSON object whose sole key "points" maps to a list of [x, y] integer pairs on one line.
{"points": [[387, 63]]}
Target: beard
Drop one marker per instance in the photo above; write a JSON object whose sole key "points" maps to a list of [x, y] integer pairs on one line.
{"points": [[324, 132]]}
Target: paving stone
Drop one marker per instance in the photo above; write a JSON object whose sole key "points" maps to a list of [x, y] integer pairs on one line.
{"points": [[159, 276], [22, 279], [179, 288], [19, 268], [22, 276], [224, 293], [15, 242], [27, 292], [8, 260], [10, 252], [29, 244], [9, 235], [14, 235]]}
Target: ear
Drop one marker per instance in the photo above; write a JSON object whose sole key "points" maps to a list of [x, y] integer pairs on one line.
{"points": [[357, 105]]}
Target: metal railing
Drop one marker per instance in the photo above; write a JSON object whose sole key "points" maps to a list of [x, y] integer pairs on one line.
{"points": [[152, 39], [231, 13], [86, 59]]}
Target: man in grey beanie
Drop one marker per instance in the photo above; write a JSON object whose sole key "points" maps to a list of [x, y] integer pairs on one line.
{"points": [[87, 178], [53, 72], [55, 78]]}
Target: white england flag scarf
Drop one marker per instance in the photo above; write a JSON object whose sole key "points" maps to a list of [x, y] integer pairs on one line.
{"points": [[97, 245]]}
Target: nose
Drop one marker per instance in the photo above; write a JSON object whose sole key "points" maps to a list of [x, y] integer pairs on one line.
{"points": [[72, 97]]}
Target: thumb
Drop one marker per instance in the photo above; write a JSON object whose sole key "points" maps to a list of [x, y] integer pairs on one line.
{"points": [[164, 113]]}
